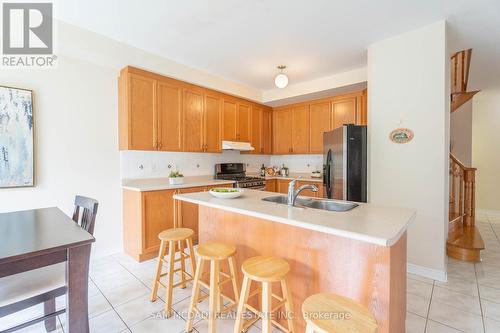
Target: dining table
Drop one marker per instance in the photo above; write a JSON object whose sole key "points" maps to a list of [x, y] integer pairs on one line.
{"points": [[36, 238]]}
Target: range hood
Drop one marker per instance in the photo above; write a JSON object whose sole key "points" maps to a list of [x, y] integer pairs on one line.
{"points": [[235, 145]]}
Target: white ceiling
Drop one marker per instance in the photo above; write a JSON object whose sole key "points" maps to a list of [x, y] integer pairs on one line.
{"points": [[244, 40]]}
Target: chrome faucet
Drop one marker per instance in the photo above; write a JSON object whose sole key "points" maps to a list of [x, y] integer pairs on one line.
{"points": [[293, 193]]}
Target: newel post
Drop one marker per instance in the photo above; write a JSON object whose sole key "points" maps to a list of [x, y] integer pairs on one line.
{"points": [[469, 197]]}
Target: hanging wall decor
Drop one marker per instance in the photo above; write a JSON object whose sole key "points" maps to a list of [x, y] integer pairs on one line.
{"points": [[16, 137], [401, 135]]}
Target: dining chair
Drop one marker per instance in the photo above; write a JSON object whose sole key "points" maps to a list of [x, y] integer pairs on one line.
{"points": [[43, 285]]}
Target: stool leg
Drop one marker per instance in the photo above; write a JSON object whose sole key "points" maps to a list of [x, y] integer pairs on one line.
{"points": [[195, 295], [214, 296], [234, 278], [288, 305], [183, 264], [171, 263], [309, 329], [266, 307], [189, 243], [245, 289], [159, 265]]}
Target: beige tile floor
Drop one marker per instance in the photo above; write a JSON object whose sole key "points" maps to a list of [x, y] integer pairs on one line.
{"points": [[119, 298]]}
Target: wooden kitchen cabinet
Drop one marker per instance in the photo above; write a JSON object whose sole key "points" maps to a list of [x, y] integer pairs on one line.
{"points": [[300, 130], [271, 185], [282, 131], [188, 213], [257, 130], [320, 118], [229, 119], [145, 215], [344, 111], [282, 185], [212, 123], [243, 120], [169, 113], [267, 131], [137, 108], [193, 119]]}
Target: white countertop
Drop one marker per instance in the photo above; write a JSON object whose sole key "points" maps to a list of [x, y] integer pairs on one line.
{"points": [[293, 175], [367, 222], [156, 184]]}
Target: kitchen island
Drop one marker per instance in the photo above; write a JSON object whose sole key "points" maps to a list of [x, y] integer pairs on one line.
{"points": [[360, 254]]}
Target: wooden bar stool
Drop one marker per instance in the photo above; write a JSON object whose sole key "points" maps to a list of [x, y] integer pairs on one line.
{"points": [[173, 239], [266, 270], [214, 253], [328, 313]]}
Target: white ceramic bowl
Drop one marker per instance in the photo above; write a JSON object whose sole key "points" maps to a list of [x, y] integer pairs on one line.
{"points": [[234, 192]]}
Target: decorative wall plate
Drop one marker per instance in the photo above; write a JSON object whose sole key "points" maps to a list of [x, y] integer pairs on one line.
{"points": [[401, 135]]}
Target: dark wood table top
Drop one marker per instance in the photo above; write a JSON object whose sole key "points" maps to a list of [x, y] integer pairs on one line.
{"points": [[34, 232]]}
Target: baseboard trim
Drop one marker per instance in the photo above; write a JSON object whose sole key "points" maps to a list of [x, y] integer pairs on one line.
{"points": [[427, 272]]}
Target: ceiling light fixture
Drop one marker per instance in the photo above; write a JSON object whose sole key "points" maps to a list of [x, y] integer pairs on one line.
{"points": [[281, 80]]}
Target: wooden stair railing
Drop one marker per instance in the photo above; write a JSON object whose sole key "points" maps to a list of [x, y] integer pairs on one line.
{"points": [[464, 240], [460, 65]]}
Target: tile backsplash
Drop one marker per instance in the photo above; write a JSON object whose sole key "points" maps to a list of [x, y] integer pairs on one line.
{"points": [[146, 164]]}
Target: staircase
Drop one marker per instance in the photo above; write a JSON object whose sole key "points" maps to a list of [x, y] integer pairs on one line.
{"points": [[460, 64], [464, 240]]}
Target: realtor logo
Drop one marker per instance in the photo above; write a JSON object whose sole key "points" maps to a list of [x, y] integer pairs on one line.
{"points": [[27, 35]]}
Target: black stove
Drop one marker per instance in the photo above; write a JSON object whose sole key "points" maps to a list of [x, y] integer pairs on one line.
{"points": [[237, 172]]}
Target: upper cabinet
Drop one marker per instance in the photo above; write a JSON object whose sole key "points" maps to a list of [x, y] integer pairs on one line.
{"points": [[229, 119], [138, 118], [299, 128], [161, 113], [321, 121], [193, 119], [282, 131]]}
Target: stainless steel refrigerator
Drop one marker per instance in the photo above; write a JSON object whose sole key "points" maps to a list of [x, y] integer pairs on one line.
{"points": [[344, 163]]}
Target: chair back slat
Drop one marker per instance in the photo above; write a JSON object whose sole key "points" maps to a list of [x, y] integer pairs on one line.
{"points": [[88, 215]]}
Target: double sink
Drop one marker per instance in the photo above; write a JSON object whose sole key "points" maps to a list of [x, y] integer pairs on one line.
{"points": [[323, 204]]}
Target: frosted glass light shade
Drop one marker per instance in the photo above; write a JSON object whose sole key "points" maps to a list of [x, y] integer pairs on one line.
{"points": [[281, 80]]}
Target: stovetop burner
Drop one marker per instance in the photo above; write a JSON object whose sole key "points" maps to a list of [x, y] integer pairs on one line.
{"points": [[236, 172]]}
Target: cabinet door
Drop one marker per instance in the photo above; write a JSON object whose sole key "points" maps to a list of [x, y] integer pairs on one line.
{"points": [[212, 128], [282, 185], [141, 103], [282, 131], [188, 212], [158, 214], [229, 109], [362, 114], [310, 193], [192, 105], [244, 114], [256, 125], [300, 130], [344, 111], [169, 112], [271, 185], [267, 125], [320, 115]]}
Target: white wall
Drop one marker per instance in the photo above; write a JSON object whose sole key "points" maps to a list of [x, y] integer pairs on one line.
{"points": [[485, 150], [75, 144], [159, 164], [408, 82], [461, 133], [299, 163]]}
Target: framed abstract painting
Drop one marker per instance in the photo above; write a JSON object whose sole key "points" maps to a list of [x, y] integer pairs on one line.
{"points": [[16, 137]]}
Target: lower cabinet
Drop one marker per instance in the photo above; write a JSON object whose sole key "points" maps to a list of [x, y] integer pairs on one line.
{"points": [[146, 214], [281, 186], [188, 212]]}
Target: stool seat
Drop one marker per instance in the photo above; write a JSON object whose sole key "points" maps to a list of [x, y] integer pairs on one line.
{"points": [[215, 251], [337, 314], [175, 234], [265, 268]]}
